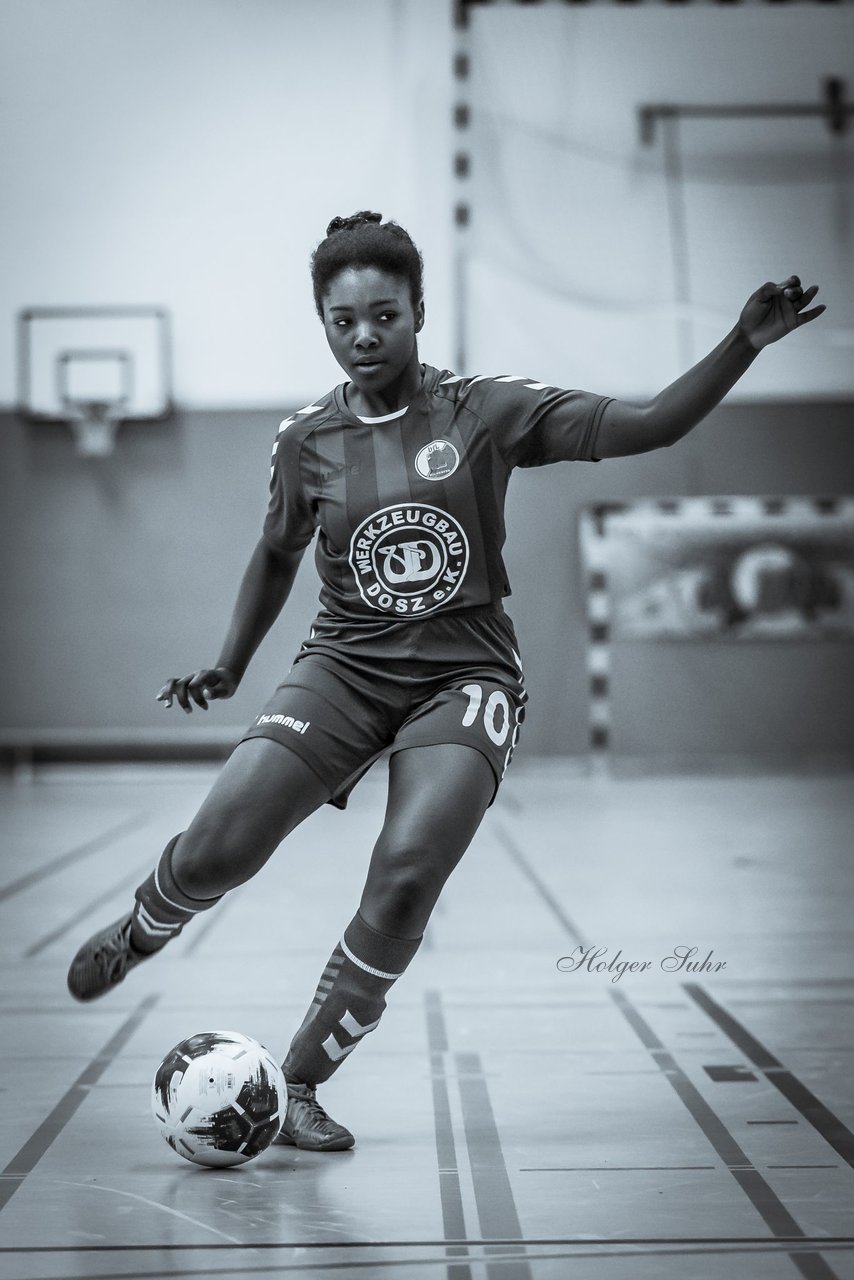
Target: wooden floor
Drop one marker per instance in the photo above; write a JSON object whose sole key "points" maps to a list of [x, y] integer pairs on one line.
{"points": [[515, 1116]]}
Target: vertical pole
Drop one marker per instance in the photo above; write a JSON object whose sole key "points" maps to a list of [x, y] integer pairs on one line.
{"points": [[594, 566], [461, 179], [677, 216]]}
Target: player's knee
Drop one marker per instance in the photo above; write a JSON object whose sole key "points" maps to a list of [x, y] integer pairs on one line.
{"points": [[208, 860], [399, 902], [399, 915]]}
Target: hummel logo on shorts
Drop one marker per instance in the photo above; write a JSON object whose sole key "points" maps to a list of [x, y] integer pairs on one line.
{"points": [[287, 722]]}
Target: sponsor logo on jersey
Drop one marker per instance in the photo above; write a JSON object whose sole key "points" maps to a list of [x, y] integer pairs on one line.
{"points": [[409, 559], [437, 460]]}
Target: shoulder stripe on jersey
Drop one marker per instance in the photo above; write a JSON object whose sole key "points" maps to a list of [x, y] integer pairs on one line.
{"points": [[289, 422], [508, 377]]}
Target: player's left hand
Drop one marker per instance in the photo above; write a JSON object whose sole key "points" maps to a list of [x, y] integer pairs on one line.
{"points": [[775, 310], [201, 687]]}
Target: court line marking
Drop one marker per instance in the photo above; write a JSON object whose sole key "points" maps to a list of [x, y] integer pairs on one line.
{"points": [[616, 1168], [26, 1159], [155, 1204], [496, 1206], [358, 1265], [738, 1244], [771, 1209], [829, 1126], [543, 890], [64, 860], [215, 915], [650, 1168], [450, 1192], [761, 1195], [61, 930]]}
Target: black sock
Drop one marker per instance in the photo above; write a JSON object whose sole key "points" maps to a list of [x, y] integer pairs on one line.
{"points": [[162, 909], [349, 1000]]}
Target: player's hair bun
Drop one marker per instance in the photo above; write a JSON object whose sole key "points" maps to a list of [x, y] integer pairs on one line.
{"points": [[369, 242], [354, 220]]}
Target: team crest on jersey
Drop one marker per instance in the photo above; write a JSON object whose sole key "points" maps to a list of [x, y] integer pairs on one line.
{"points": [[437, 460], [409, 559]]}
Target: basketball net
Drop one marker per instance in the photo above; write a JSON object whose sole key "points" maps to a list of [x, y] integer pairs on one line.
{"points": [[93, 425]]}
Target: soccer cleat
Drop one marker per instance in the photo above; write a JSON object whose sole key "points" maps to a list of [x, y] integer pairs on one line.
{"points": [[307, 1125], [103, 961]]}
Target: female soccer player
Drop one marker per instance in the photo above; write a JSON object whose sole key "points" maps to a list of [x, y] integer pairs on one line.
{"points": [[401, 471]]}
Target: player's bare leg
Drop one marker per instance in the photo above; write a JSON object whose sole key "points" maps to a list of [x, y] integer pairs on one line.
{"points": [[436, 801], [437, 798], [262, 793]]}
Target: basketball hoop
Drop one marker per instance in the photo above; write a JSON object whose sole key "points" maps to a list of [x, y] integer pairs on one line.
{"points": [[91, 368], [93, 425]]}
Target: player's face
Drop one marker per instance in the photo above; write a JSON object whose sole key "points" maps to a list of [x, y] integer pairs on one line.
{"points": [[371, 327]]}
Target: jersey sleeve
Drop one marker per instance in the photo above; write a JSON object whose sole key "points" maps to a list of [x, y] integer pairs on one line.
{"points": [[290, 520], [535, 424]]}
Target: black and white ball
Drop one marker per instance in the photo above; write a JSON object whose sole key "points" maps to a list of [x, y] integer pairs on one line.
{"points": [[219, 1098]]}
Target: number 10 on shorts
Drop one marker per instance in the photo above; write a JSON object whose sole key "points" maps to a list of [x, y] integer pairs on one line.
{"points": [[496, 707]]}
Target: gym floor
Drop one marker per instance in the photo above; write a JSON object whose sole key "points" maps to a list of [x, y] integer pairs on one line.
{"points": [[517, 1114]]}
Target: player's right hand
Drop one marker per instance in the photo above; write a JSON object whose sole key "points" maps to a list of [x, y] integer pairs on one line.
{"points": [[201, 687]]}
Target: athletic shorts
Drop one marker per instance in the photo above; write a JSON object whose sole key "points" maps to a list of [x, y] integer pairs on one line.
{"points": [[359, 688]]}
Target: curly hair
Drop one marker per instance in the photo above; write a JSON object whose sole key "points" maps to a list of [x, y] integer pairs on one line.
{"points": [[364, 240]]}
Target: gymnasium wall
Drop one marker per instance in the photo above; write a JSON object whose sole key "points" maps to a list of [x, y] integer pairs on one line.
{"points": [[121, 572], [635, 256], [190, 153]]}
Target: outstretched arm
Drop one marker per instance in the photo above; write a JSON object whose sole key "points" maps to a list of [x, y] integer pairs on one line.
{"points": [[769, 314], [265, 587]]}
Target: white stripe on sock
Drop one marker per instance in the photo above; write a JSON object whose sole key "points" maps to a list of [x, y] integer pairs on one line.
{"points": [[191, 911], [378, 973], [154, 927], [334, 1050], [354, 1028]]}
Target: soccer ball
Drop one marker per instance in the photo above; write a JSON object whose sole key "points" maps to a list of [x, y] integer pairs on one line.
{"points": [[219, 1098]]}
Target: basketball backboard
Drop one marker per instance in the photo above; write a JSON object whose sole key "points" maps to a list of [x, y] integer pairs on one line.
{"points": [[94, 367]]}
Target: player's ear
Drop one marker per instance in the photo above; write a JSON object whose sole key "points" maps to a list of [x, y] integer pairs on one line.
{"points": [[419, 316]]}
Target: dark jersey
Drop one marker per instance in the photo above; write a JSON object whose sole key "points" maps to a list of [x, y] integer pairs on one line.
{"points": [[409, 510]]}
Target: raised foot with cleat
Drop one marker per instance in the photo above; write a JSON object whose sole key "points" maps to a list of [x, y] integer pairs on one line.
{"points": [[103, 961]]}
